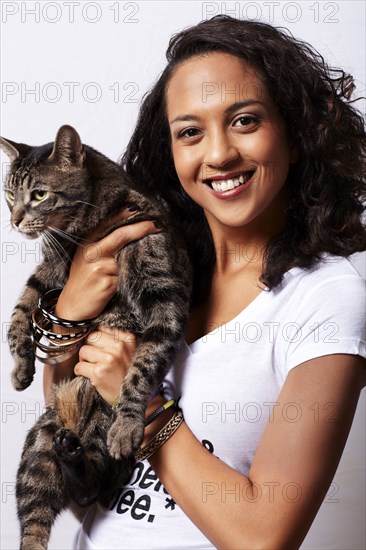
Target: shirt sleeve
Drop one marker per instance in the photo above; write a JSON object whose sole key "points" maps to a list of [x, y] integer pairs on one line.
{"points": [[331, 319]]}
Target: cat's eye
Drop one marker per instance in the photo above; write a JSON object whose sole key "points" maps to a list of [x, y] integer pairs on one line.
{"points": [[39, 194], [9, 195]]}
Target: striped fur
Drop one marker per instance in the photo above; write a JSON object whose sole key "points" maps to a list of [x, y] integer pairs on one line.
{"points": [[80, 450]]}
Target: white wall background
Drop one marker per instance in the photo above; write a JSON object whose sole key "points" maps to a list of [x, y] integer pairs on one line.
{"points": [[88, 64]]}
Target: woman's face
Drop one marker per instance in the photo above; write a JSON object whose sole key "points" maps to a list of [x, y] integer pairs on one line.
{"points": [[229, 143]]}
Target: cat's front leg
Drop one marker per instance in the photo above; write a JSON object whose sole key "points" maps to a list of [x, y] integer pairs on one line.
{"points": [[19, 336], [127, 431], [125, 435]]}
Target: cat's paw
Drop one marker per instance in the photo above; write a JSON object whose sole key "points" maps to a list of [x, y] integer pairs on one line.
{"points": [[67, 445], [125, 437], [20, 380], [23, 373]]}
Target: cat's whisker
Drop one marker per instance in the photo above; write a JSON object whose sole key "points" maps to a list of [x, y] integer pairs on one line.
{"points": [[6, 225], [52, 246], [55, 245], [59, 245], [66, 234], [88, 203], [69, 217], [72, 238]]}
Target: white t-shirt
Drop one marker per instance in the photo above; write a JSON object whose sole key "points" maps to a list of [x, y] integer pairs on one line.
{"points": [[229, 381]]}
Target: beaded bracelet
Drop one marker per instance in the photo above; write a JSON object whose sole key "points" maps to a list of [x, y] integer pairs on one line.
{"points": [[38, 324], [49, 300], [158, 411], [55, 347], [161, 437]]}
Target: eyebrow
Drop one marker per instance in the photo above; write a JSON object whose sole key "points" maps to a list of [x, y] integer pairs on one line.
{"points": [[228, 111]]}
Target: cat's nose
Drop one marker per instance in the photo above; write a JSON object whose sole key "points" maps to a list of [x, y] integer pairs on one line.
{"points": [[17, 216]]}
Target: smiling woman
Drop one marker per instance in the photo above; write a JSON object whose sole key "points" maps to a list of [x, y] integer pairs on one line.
{"points": [[225, 139], [278, 167]]}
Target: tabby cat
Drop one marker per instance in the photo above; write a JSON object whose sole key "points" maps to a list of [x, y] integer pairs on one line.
{"points": [[80, 449]]}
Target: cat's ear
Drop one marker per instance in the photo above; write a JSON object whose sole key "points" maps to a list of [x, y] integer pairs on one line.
{"points": [[68, 149], [13, 150]]}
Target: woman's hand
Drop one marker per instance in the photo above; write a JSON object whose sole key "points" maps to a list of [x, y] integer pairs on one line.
{"points": [[93, 274], [105, 359]]}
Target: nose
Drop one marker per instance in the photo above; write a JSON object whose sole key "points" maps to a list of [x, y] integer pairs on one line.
{"points": [[220, 152], [17, 216]]}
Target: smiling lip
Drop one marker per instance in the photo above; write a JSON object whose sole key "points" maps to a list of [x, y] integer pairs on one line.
{"points": [[230, 175], [230, 193]]}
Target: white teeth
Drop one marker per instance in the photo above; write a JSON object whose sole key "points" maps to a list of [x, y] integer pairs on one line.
{"points": [[226, 185]]}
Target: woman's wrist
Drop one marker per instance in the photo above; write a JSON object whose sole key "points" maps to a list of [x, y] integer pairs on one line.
{"points": [[152, 429], [70, 309]]}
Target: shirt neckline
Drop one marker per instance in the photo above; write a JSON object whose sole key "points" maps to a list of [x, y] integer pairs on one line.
{"points": [[196, 344]]}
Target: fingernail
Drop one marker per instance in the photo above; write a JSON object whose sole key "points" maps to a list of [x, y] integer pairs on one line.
{"points": [[133, 208], [158, 224]]}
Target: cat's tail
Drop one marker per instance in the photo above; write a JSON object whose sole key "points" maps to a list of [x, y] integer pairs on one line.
{"points": [[39, 491]]}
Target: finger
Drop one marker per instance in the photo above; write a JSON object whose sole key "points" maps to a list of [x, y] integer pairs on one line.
{"points": [[91, 354], [112, 344], [121, 236], [122, 336], [124, 214], [98, 339], [84, 368]]}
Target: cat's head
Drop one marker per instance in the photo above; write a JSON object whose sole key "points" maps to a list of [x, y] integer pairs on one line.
{"points": [[46, 186]]}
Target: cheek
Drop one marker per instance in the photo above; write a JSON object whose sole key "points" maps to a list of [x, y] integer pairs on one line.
{"points": [[177, 159], [274, 158], [186, 163]]}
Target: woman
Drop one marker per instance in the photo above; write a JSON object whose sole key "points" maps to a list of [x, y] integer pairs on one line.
{"points": [[252, 141]]}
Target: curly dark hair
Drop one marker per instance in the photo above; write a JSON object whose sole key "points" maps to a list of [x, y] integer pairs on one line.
{"points": [[326, 186]]}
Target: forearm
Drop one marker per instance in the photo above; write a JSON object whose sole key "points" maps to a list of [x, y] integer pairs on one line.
{"points": [[53, 374], [218, 499]]}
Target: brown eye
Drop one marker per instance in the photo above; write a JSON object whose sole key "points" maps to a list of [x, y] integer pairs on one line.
{"points": [[39, 194], [246, 121], [9, 195]]}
